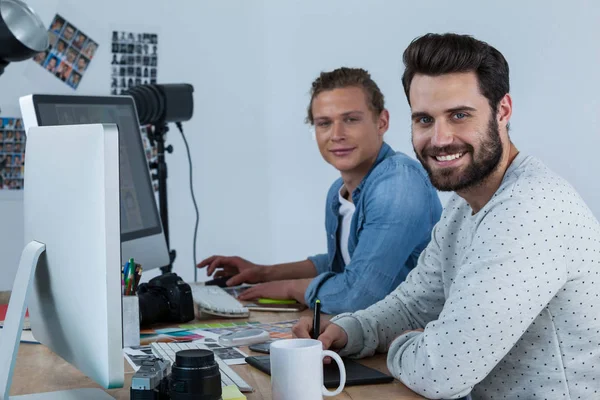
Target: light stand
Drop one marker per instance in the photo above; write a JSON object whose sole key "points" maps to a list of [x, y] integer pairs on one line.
{"points": [[156, 135], [158, 105]]}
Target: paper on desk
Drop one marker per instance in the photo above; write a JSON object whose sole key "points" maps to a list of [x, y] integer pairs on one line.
{"points": [[229, 355], [232, 393], [206, 334], [27, 337], [135, 356]]}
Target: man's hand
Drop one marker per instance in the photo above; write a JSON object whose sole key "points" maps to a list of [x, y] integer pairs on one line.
{"points": [[240, 270], [332, 336], [288, 289]]}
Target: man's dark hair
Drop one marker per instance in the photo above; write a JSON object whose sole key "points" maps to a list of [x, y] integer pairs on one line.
{"points": [[347, 77], [437, 54]]}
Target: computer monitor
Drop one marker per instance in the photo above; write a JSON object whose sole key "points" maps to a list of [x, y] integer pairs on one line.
{"points": [[69, 276], [142, 236]]}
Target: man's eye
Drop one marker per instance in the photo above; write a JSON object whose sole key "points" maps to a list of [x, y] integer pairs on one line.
{"points": [[425, 120], [460, 115], [352, 119], [323, 124]]}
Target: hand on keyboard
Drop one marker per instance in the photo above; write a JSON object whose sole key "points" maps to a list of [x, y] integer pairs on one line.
{"points": [[239, 269]]}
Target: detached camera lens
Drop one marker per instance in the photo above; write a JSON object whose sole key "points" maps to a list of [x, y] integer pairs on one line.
{"points": [[195, 375]]}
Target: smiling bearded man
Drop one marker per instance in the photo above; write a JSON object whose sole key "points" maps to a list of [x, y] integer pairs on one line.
{"points": [[503, 302]]}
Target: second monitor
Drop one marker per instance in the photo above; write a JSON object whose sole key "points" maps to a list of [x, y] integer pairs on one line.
{"points": [[142, 236]]}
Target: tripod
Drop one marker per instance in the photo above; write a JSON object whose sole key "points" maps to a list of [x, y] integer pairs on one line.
{"points": [[156, 135]]}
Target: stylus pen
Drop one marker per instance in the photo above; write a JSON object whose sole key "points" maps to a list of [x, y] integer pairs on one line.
{"points": [[317, 320]]}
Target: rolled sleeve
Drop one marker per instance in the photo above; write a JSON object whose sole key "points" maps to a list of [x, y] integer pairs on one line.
{"points": [[321, 262]]}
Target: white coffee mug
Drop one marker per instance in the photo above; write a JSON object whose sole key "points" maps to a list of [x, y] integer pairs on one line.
{"points": [[297, 370]]}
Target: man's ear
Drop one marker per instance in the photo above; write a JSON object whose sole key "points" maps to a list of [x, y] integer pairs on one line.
{"points": [[504, 110], [383, 122]]}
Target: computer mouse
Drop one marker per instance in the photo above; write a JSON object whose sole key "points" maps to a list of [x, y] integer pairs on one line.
{"points": [[220, 282]]}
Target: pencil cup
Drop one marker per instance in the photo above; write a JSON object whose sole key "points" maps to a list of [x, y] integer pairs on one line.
{"points": [[131, 321]]}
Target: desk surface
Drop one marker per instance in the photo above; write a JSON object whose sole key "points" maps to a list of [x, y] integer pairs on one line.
{"points": [[40, 370]]}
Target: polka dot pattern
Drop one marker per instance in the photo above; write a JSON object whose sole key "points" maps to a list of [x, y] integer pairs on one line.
{"points": [[509, 298]]}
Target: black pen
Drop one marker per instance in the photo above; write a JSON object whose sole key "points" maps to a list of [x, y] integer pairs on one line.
{"points": [[317, 320]]}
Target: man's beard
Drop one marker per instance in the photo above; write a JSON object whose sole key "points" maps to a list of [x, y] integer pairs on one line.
{"points": [[483, 164]]}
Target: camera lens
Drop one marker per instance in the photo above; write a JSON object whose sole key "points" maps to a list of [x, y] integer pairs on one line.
{"points": [[195, 375]]}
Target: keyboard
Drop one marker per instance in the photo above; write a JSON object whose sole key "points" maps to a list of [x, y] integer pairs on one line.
{"points": [[216, 301], [229, 377]]}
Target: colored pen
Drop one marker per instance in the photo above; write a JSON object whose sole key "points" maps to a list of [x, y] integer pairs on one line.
{"points": [[317, 320], [131, 276]]}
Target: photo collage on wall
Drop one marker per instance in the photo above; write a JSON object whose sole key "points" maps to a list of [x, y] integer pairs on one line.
{"points": [[12, 153], [70, 53], [134, 60]]}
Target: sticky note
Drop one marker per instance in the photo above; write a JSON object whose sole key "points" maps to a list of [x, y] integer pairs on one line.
{"points": [[232, 393]]}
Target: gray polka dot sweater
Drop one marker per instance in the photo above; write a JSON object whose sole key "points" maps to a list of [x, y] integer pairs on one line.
{"points": [[509, 299]]}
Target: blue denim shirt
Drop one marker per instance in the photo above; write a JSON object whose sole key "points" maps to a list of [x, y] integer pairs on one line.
{"points": [[396, 208]]}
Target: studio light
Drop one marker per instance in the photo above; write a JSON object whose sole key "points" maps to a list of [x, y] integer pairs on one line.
{"points": [[22, 33], [162, 104], [159, 105]]}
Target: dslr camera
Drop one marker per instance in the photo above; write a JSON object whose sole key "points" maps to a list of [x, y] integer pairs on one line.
{"points": [[166, 298], [194, 375]]}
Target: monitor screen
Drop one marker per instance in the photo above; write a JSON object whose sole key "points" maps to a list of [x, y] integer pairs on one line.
{"points": [[139, 214]]}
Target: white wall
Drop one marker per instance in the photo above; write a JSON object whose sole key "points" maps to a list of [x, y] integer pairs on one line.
{"points": [[259, 178], [551, 47]]}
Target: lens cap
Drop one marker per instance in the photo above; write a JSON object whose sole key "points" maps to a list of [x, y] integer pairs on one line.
{"points": [[196, 358]]}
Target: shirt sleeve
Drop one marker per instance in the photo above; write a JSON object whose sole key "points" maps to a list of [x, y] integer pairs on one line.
{"points": [[321, 262], [399, 215], [416, 302], [508, 276]]}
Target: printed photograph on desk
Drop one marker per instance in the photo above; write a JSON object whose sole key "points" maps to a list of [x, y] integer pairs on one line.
{"points": [[135, 356], [230, 355], [167, 335], [70, 52], [277, 330], [134, 60], [12, 153]]}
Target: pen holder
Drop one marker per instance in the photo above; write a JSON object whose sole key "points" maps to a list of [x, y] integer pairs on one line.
{"points": [[131, 321]]}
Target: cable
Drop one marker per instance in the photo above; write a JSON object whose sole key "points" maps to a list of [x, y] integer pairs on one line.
{"points": [[187, 148]]}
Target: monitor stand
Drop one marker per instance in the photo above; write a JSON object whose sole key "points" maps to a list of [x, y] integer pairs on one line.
{"points": [[11, 333]]}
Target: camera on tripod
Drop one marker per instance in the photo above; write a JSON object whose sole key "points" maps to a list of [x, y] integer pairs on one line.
{"points": [[194, 375], [166, 298]]}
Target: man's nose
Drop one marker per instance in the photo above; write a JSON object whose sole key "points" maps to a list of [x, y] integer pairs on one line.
{"points": [[337, 131], [442, 134]]}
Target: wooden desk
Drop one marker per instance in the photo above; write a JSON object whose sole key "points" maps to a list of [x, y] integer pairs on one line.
{"points": [[40, 370]]}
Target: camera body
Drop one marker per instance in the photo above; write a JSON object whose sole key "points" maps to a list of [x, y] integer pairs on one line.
{"points": [[165, 298], [151, 381]]}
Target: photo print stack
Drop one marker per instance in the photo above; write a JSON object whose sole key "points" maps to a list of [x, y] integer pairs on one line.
{"points": [[69, 54], [134, 60], [12, 153]]}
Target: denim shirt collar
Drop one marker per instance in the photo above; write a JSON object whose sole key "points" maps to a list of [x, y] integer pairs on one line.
{"points": [[384, 152]]}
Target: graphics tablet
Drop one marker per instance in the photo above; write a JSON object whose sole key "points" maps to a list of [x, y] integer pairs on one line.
{"points": [[356, 374]]}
